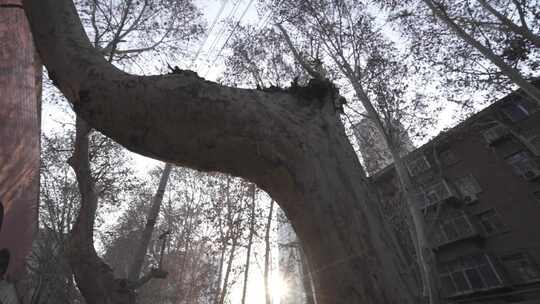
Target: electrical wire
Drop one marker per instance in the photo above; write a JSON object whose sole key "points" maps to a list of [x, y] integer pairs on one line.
{"points": [[210, 30], [222, 30], [229, 37]]}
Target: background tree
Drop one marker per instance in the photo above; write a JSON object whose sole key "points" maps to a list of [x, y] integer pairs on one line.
{"points": [[152, 216], [50, 279], [115, 25], [188, 252], [482, 46], [125, 30]]}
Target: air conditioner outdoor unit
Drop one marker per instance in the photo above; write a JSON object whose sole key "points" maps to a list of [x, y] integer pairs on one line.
{"points": [[495, 134]]}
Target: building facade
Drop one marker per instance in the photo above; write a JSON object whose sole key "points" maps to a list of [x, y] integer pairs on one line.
{"points": [[478, 186]]}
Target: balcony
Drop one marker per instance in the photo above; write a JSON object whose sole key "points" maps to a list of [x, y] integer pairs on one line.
{"points": [[524, 165], [470, 274], [437, 193], [454, 229], [496, 134]]}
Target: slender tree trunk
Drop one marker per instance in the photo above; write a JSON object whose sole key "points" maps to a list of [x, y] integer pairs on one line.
{"points": [[307, 282], [186, 237], [217, 296], [267, 260], [20, 106], [250, 242], [296, 55], [424, 253], [426, 258], [292, 146], [513, 74], [225, 288], [153, 212]]}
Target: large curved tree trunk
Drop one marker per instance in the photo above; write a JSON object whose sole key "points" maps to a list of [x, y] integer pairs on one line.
{"points": [[291, 144]]}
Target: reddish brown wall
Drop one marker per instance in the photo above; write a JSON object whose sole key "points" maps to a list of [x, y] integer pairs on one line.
{"points": [[19, 134]]}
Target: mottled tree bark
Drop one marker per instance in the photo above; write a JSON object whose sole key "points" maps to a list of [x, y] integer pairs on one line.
{"points": [[291, 144]]}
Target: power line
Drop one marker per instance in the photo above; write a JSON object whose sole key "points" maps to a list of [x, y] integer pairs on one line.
{"points": [[222, 30], [214, 22], [262, 24], [229, 37]]}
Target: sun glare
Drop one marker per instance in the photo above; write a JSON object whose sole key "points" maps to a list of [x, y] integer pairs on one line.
{"points": [[278, 287]]}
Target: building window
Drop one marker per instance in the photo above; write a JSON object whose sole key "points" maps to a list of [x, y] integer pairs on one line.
{"points": [[491, 222], [520, 268], [515, 111], [453, 229], [418, 165], [496, 134], [524, 165], [448, 157], [435, 193], [469, 274], [468, 187]]}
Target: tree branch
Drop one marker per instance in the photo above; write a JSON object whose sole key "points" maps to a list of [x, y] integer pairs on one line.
{"points": [[522, 30], [513, 74], [297, 56], [242, 132]]}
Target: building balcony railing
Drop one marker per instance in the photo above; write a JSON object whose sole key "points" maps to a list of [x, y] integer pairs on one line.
{"points": [[454, 229], [470, 274], [437, 193], [496, 134]]}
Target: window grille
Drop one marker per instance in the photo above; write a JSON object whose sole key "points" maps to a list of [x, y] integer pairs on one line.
{"points": [[468, 187], [520, 268], [515, 111], [453, 229], [495, 134], [436, 193], [490, 222], [524, 165], [418, 165], [469, 274]]}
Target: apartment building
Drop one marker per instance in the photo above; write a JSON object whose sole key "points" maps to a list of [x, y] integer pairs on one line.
{"points": [[478, 186]]}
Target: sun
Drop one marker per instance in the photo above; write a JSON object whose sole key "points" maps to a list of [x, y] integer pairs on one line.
{"points": [[278, 287]]}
